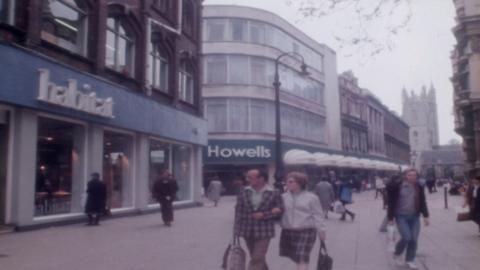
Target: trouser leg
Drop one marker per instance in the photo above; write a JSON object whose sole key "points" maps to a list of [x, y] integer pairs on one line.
{"points": [[405, 234], [258, 251], [414, 224]]}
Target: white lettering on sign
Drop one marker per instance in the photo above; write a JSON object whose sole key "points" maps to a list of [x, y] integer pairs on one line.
{"points": [[256, 152], [69, 96]]}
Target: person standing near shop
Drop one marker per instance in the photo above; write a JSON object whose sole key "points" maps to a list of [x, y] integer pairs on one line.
{"points": [[345, 197], [214, 190], [326, 195], [164, 191], [96, 199], [472, 200], [301, 222], [257, 208], [406, 201]]}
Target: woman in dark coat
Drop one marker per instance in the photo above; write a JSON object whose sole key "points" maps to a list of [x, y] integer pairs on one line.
{"points": [[164, 191], [96, 198], [473, 200]]}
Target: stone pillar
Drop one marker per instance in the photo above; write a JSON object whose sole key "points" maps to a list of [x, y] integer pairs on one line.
{"points": [[24, 167], [142, 168], [79, 177], [95, 150]]}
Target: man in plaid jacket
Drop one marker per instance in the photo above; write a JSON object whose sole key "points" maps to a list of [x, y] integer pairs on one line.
{"points": [[257, 208]]}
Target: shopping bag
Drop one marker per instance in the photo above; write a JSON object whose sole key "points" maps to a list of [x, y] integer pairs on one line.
{"points": [[236, 256], [324, 262], [338, 207], [463, 214], [391, 237]]}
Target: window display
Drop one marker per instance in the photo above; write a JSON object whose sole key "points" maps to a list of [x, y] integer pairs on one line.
{"points": [[117, 169], [59, 186]]}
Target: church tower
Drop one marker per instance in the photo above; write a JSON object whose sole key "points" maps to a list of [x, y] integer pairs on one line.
{"points": [[420, 113]]}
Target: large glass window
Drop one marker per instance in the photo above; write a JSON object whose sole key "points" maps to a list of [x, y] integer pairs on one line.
{"points": [[158, 68], [160, 161], [59, 184], [4, 147], [216, 113], [185, 83], [117, 169], [3, 10], [238, 114], [119, 47], [238, 29], [258, 71], [236, 69], [64, 23], [182, 171], [215, 29], [216, 69], [257, 33]]}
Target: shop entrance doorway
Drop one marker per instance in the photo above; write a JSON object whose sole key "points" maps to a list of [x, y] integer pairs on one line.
{"points": [[4, 134]]}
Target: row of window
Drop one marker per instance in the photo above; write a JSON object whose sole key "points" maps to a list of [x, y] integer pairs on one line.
{"points": [[250, 31], [258, 116], [354, 140], [65, 23], [251, 70]]}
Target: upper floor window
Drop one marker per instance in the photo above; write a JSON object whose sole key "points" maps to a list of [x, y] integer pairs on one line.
{"points": [[158, 68], [185, 84], [64, 23], [215, 29], [188, 16], [120, 47]]}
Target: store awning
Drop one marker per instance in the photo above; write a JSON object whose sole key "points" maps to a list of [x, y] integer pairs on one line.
{"points": [[299, 157]]}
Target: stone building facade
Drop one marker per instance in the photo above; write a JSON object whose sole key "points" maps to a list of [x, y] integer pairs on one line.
{"points": [[466, 80], [97, 86]]}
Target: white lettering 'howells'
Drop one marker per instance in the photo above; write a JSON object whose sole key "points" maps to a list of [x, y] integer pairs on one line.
{"points": [[69, 96], [259, 151]]}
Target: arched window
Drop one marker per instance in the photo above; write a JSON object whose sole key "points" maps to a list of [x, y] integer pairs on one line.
{"points": [[186, 82], [64, 23], [120, 46], [159, 68]]}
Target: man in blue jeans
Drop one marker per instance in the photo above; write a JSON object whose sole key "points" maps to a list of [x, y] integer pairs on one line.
{"points": [[406, 201]]}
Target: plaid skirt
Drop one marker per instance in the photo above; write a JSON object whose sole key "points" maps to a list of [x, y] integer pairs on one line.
{"points": [[297, 244]]}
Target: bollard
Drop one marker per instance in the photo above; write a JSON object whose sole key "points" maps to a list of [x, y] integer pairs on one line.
{"points": [[445, 194]]}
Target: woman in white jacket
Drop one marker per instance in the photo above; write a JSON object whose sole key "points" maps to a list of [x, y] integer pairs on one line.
{"points": [[302, 220]]}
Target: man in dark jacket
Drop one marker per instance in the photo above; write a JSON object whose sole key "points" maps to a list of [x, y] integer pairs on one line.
{"points": [[472, 200], [164, 191], [406, 201], [257, 208], [96, 199]]}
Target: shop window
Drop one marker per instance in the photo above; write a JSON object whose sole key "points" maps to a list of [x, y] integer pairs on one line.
{"points": [[117, 169], [160, 161], [4, 4], [185, 82], [120, 47], [59, 184], [182, 170], [4, 147], [64, 23], [158, 68]]}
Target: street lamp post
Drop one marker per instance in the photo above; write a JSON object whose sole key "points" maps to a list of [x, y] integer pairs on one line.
{"points": [[278, 134]]}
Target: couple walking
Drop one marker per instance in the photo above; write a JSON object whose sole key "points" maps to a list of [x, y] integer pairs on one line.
{"points": [[259, 206]]}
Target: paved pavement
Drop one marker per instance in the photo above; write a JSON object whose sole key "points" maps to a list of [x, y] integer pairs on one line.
{"points": [[199, 236]]}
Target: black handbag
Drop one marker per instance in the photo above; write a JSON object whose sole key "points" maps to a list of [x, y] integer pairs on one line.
{"points": [[325, 262]]}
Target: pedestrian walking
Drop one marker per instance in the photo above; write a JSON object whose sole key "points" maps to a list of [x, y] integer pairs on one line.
{"points": [[326, 195], [214, 190], [96, 199], [379, 186], [164, 191], [301, 222], [257, 208], [472, 200], [406, 201], [345, 197]]}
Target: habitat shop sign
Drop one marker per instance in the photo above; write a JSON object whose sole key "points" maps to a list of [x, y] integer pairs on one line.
{"points": [[70, 96], [239, 151]]}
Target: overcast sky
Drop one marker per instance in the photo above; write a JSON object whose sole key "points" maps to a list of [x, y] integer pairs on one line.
{"points": [[419, 54]]}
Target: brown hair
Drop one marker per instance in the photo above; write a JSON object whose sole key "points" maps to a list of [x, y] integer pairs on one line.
{"points": [[300, 178]]}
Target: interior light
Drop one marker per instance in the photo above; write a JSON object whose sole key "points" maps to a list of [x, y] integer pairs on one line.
{"points": [[49, 139]]}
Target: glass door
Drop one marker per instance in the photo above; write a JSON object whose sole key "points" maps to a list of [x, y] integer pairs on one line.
{"points": [[4, 133]]}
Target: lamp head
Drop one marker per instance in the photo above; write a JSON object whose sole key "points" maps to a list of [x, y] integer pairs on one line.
{"points": [[303, 70]]}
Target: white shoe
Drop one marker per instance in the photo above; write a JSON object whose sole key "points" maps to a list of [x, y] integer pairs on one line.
{"points": [[398, 260], [412, 265]]}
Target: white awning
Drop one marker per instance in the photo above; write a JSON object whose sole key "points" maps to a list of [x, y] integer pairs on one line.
{"points": [[323, 159], [298, 157]]}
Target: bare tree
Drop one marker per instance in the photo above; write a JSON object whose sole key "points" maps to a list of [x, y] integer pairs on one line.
{"points": [[370, 25]]}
